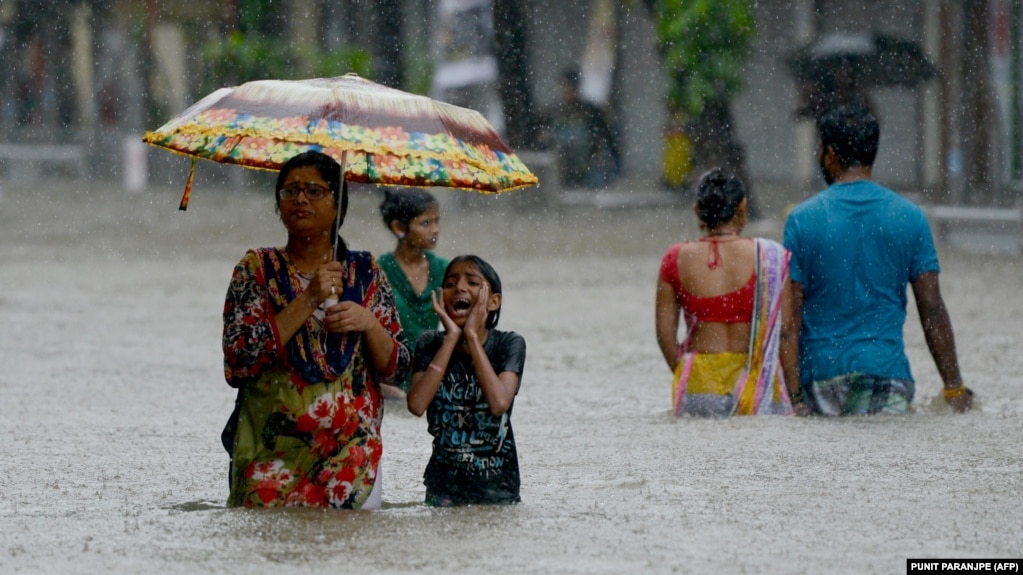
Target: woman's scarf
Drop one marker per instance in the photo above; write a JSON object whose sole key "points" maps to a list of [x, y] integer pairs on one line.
{"points": [[304, 348], [754, 390]]}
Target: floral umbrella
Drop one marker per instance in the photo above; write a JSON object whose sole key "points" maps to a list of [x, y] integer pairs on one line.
{"points": [[379, 135]]}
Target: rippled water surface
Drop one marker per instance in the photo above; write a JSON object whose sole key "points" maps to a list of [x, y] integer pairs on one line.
{"points": [[113, 398]]}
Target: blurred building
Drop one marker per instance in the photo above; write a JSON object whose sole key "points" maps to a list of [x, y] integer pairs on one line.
{"points": [[96, 72]]}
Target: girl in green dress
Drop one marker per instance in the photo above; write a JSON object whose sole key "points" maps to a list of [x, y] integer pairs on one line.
{"points": [[414, 272]]}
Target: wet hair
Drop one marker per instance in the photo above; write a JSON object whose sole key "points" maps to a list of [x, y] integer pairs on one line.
{"points": [[330, 171], [852, 132], [405, 205], [328, 168], [718, 196], [489, 273]]}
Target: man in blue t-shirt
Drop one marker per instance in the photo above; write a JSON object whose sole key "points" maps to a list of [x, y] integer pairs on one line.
{"points": [[855, 246]]}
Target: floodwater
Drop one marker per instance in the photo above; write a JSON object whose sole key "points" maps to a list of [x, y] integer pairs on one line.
{"points": [[113, 398]]}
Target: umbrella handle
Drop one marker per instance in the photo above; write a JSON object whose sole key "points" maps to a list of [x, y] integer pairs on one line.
{"points": [[188, 188], [332, 299]]}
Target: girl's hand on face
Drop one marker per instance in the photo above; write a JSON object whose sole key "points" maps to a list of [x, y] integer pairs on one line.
{"points": [[477, 320], [449, 324]]}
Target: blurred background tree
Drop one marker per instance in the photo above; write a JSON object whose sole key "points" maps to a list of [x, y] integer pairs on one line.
{"points": [[703, 45], [259, 41]]}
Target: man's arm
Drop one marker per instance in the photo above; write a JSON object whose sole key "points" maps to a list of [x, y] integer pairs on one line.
{"points": [[940, 341], [792, 324]]}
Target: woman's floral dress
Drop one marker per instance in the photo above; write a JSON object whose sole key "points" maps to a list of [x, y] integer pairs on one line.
{"points": [[306, 426]]}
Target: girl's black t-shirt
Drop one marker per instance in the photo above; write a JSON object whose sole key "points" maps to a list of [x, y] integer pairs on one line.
{"points": [[474, 458]]}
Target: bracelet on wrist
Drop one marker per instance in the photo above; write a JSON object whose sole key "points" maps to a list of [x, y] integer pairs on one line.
{"points": [[956, 392], [796, 396]]}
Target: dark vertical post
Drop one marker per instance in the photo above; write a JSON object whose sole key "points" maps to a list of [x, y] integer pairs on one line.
{"points": [[389, 44], [148, 109], [228, 17], [945, 65], [1015, 101], [514, 72], [976, 129]]}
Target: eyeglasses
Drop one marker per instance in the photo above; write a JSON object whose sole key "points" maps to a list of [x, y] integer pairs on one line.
{"points": [[311, 191]]}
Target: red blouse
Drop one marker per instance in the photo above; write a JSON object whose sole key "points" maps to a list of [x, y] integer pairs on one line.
{"points": [[732, 307]]}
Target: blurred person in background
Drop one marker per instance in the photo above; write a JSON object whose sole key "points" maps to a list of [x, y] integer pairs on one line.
{"points": [[585, 142]]}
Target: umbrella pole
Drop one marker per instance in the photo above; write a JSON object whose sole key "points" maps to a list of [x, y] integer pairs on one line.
{"points": [[337, 217], [334, 297]]}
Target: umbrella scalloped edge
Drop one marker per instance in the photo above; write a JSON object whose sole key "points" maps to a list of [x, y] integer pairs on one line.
{"points": [[386, 168], [389, 136]]}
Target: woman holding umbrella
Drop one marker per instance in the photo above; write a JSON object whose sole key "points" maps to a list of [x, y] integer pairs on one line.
{"points": [[306, 426]]}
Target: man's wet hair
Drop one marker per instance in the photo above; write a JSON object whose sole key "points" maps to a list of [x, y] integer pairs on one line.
{"points": [[852, 132]]}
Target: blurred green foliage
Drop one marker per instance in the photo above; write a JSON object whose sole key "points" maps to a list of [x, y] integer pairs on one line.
{"points": [[704, 45], [239, 57]]}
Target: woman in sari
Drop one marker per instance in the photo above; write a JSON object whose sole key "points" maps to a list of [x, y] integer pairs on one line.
{"points": [[739, 355], [310, 334]]}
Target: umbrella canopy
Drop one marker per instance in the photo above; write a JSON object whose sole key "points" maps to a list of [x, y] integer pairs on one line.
{"points": [[379, 134], [866, 58]]}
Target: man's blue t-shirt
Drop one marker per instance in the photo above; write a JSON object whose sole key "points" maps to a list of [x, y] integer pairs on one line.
{"points": [[855, 247]]}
